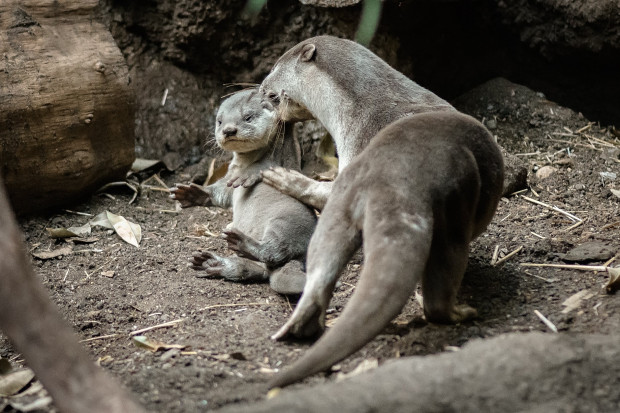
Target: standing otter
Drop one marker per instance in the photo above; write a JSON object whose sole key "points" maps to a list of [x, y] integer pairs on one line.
{"points": [[347, 88], [271, 231], [426, 184]]}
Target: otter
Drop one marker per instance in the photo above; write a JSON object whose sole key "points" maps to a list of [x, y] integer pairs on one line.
{"points": [[347, 88], [270, 230], [35, 327], [425, 182]]}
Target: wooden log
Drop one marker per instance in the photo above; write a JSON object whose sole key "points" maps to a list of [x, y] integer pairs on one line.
{"points": [[66, 106], [34, 325]]}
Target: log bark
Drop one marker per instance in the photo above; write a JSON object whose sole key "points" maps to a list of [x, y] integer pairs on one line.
{"points": [[518, 372], [34, 325], [66, 106]]}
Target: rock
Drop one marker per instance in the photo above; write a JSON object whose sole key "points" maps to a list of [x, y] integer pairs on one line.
{"points": [[66, 106], [545, 172], [590, 251], [561, 27], [511, 372]]}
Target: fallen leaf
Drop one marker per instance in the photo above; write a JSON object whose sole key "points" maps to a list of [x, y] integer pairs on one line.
{"points": [[140, 164], [215, 174], [615, 192], [128, 231], [102, 220], [614, 280], [574, 301], [46, 255], [109, 274], [364, 366], [70, 232], [154, 345], [15, 381]]}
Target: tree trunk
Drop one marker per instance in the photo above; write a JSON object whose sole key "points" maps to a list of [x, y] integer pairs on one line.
{"points": [[66, 108]]}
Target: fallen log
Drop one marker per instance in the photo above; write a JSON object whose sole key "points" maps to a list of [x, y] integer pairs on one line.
{"points": [[36, 329], [516, 372], [66, 106]]}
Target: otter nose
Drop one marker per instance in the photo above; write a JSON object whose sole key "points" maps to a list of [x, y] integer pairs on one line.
{"points": [[229, 130]]}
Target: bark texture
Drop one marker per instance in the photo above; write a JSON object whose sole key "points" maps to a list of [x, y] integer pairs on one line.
{"points": [[66, 106]]}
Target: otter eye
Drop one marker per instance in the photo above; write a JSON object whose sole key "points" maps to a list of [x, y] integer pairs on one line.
{"points": [[248, 117], [273, 97], [219, 122]]}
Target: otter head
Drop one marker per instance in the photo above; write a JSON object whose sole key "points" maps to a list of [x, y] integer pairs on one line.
{"points": [[287, 84], [245, 122]]}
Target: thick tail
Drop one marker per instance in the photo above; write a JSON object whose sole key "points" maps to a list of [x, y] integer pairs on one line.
{"points": [[395, 258]]}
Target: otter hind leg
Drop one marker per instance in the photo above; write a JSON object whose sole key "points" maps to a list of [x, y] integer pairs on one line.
{"points": [[288, 279], [442, 279], [230, 268], [335, 240]]}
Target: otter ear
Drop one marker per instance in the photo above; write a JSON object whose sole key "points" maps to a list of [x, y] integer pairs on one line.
{"points": [[308, 52]]}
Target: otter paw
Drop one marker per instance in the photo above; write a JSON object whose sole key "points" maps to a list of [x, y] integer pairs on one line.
{"points": [[286, 181], [239, 242], [212, 265], [246, 181], [306, 322], [189, 195], [463, 313]]}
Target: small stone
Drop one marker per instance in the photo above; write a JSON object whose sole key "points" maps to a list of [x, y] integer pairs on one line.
{"points": [[491, 124], [545, 172]]}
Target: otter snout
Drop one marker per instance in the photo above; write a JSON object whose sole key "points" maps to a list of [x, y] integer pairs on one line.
{"points": [[229, 130]]}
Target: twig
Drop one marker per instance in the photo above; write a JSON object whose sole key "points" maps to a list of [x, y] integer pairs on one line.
{"points": [[86, 214], [613, 224], [568, 266], [495, 254], [537, 235], [210, 307], [167, 324], [554, 208], [549, 280], [507, 257], [546, 321], [585, 128], [572, 227], [97, 338]]}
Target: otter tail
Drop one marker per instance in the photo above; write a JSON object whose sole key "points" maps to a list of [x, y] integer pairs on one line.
{"points": [[396, 251]]}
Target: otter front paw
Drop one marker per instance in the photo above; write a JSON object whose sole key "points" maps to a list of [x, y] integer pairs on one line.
{"points": [[246, 181], [190, 195], [286, 181]]}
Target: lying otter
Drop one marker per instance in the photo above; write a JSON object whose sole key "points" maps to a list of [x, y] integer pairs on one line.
{"points": [[426, 184], [270, 231]]}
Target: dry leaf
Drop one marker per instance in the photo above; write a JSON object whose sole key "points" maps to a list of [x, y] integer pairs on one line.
{"points": [[615, 192], [46, 255], [154, 345], [142, 164], [128, 231], [70, 232], [575, 300], [364, 366], [102, 220], [15, 381], [109, 274], [614, 280]]}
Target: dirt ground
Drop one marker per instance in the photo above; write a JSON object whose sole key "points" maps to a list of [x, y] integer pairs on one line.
{"points": [[108, 289]]}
